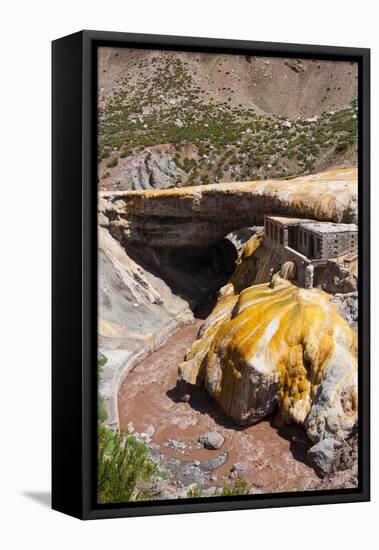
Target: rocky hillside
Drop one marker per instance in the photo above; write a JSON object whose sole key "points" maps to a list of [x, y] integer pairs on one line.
{"points": [[170, 119]]}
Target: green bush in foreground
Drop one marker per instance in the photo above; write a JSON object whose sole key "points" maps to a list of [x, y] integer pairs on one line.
{"points": [[124, 464], [239, 488], [195, 491]]}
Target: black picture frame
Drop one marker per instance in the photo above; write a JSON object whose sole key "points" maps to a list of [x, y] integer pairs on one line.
{"points": [[74, 273]]}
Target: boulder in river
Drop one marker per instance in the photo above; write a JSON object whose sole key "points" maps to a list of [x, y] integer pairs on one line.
{"points": [[212, 440], [150, 430]]}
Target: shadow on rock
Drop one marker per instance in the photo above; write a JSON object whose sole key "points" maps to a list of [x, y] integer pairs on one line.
{"points": [[199, 400], [299, 441]]}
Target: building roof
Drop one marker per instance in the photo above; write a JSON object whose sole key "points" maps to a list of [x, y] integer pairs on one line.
{"points": [[330, 227], [314, 225]]}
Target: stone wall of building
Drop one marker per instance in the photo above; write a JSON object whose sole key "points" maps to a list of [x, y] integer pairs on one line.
{"points": [[286, 254], [315, 245], [337, 244]]}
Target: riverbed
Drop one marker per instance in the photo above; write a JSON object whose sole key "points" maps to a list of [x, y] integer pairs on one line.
{"points": [[270, 459]]}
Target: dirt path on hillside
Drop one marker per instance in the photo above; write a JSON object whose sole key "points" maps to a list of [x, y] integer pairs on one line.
{"points": [[271, 460]]}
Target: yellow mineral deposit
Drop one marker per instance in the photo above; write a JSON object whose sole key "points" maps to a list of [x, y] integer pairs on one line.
{"points": [[277, 344]]}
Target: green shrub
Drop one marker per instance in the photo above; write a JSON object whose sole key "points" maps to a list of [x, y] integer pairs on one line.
{"points": [[218, 172], [195, 491], [112, 163], [101, 361], [239, 488], [101, 412], [124, 465], [341, 147]]}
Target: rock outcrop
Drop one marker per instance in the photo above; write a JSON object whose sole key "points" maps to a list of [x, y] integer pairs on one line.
{"points": [[144, 171], [138, 312], [348, 307], [336, 278], [144, 299], [277, 345], [194, 218]]}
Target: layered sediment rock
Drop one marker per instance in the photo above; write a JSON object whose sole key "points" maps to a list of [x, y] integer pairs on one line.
{"points": [[277, 345], [132, 301], [151, 169], [194, 218], [138, 312]]}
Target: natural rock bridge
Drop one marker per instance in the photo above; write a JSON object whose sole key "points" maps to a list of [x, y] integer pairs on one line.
{"points": [[194, 218]]}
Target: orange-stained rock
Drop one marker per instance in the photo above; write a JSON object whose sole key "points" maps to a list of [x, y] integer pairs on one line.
{"points": [[275, 344]]}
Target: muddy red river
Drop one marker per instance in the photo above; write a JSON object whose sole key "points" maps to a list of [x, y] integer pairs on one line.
{"points": [[273, 459]]}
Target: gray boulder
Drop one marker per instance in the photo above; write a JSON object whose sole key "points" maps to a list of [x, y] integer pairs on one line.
{"points": [[212, 440], [150, 430], [323, 455]]}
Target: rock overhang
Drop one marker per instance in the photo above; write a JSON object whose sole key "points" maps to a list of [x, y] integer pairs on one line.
{"points": [[194, 218]]}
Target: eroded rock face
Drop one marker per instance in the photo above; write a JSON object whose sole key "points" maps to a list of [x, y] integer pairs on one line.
{"points": [[144, 299], [275, 344], [348, 307], [335, 278], [138, 312], [147, 170], [133, 303], [194, 218]]}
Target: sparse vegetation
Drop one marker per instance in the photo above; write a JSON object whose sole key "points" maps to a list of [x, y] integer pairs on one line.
{"points": [[239, 488], [124, 467], [112, 163], [230, 142], [195, 491]]}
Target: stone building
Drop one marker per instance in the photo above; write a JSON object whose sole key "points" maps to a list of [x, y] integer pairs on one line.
{"points": [[309, 243]]}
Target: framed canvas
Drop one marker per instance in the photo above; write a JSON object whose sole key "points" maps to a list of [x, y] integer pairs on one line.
{"points": [[210, 275]]}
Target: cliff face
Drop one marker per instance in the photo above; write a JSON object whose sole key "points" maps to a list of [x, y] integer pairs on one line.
{"points": [[278, 345], [138, 312], [194, 218], [144, 299]]}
